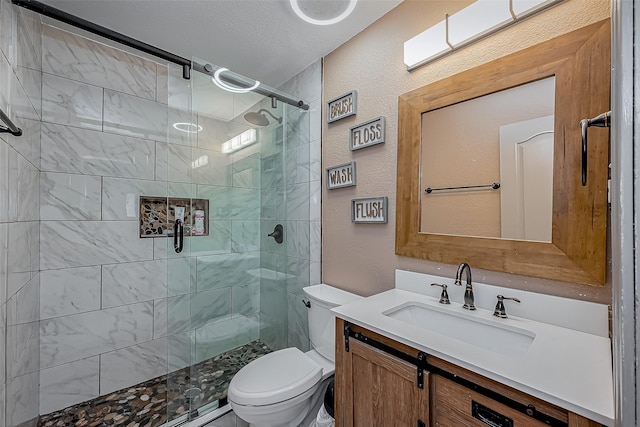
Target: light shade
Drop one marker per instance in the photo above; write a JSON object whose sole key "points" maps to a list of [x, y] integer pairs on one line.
{"points": [[479, 19]]}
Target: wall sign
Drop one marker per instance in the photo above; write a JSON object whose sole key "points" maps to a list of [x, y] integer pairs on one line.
{"points": [[341, 176], [371, 210], [367, 134], [342, 106]]}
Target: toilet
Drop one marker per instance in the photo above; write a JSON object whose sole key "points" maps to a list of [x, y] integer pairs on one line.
{"points": [[286, 387]]}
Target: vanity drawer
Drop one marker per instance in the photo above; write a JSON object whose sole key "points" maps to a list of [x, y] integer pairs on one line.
{"points": [[456, 405]]}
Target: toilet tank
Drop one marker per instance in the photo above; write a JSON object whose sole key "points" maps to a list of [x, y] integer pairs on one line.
{"points": [[322, 323]]}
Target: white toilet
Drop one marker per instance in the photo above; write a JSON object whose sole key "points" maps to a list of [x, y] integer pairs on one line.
{"points": [[286, 387]]}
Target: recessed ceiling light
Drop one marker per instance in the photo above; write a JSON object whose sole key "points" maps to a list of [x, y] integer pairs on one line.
{"points": [[187, 127], [323, 12]]}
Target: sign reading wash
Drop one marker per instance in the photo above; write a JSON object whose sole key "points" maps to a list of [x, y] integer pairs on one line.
{"points": [[342, 106], [372, 210], [341, 176]]}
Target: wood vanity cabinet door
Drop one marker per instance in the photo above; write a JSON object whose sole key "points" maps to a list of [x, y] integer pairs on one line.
{"points": [[381, 390]]}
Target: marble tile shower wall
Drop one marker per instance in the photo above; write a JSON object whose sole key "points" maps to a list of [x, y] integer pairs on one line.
{"points": [[115, 309], [291, 189], [20, 96]]}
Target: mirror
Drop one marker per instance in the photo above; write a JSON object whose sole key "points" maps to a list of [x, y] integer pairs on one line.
{"points": [[571, 243], [492, 177]]}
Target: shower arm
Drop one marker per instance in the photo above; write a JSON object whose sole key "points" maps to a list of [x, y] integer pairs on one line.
{"points": [[278, 119]]}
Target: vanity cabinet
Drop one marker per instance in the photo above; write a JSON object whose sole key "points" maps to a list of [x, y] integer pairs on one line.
{"points": [[381, 382]]}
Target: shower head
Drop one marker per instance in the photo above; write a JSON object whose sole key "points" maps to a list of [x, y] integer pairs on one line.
{"points": [[259, 119]]}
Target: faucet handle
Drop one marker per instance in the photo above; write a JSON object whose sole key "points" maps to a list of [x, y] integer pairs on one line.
{"points": [[444, 296], [500, 311]]}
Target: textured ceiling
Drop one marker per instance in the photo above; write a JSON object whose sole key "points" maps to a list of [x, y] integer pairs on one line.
{"points": [[262, 39]]}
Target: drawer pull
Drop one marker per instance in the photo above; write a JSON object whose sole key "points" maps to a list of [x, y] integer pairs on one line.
{"points": [[489, 416]]}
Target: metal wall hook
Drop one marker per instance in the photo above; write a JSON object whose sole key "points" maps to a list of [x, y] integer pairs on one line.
{"points": [[601, 121]]}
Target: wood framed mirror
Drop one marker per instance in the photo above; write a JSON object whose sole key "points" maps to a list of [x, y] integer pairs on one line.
{"points": [[580, 63]]}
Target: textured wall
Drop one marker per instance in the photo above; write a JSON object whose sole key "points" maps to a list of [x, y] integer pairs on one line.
{"points": [[362, 258], [20, 93]]}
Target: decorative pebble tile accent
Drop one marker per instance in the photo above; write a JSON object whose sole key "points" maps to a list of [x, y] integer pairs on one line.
{"points": [[153, 402]]}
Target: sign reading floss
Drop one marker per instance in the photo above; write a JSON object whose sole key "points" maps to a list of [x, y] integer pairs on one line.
{"points": [[367, 134]]}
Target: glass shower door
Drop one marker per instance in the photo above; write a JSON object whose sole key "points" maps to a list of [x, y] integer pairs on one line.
{"points": [[227, 287]]}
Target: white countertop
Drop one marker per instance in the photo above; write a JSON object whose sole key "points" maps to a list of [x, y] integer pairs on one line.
{"points": [[565, 367]]}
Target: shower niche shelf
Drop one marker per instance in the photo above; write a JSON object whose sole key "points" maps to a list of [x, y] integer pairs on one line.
{"points": [[157, 216]]}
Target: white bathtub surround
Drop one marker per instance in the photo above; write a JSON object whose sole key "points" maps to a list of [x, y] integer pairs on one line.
{"points": [[565, 361]]}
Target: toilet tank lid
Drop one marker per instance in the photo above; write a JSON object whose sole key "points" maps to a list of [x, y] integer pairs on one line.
{"points": [[274, 378], [329, 295]]}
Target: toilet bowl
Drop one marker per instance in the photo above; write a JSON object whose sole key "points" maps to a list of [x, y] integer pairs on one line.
{"points": [[285, 388]]}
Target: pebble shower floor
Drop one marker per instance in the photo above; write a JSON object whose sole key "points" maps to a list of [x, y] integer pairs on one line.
{"points": [[153, 402]]}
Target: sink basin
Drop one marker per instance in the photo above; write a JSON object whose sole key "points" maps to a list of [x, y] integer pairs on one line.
{"points": [[465, 327]]}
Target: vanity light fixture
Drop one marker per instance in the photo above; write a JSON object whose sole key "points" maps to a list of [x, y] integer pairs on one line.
{"points": [[239, 142], [187, 127], [476, 21], [310, 12], [225, 86]]}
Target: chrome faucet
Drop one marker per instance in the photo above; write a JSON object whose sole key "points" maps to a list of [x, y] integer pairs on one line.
{"points": [[468, 290]]}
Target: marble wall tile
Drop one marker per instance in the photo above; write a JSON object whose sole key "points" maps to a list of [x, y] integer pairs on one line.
{"points": [[245, 299], [179, 163], [22, 349], [218, 337], [272, 171], [217, 170], [26, 52], [24, 305], [297, 127], [69, 338], [315, 161], [20, 105], [34, 245], [136, 117], [68, 102], [273, 334], [18, 257], [4, 181], [78, 58], [181, 127], [73, 150], [33, 23], [246, 172], [209, 306], [298, 323], [128, 283], [315, 201], [298, 239], [3, 353], [31, 81], [315, 240], [245, 236], [171, 316], [162, 83], [221, 271], [66, 196], [297, 203], [69, 384], [69, 291], [182, 350], [181, 275], [307, 84], [22, 401], [121, 197], [8, 17], [217, 242], [315, 120], [132, 365], [28, 144], [273, 301], [3, 411], [179, 89], [3, 263], [85, 243], [215, 131], [298, 274], [297, 165], [315, 273], [163, 248], [231, 203], [162, 159], [24, 180]]}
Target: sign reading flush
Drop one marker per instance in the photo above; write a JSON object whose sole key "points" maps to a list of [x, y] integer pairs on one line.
{"points": [[371, 210]]}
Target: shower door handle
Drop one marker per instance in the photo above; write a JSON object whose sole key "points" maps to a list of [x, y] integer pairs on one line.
{"points": [[178, 235]]}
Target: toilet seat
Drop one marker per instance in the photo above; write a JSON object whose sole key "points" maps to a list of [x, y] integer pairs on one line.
{"points": [[273, 378]]}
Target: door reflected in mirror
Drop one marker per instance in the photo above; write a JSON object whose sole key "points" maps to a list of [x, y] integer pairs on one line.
{"points": [[504, 137]]}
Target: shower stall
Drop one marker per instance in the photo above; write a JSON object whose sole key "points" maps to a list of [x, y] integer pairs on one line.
{"points": [[110, 317], [229, 293]]}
